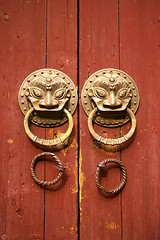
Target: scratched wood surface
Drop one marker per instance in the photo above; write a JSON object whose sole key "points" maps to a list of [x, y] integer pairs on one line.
{"points": [[140, 58], [22, 41], [61, 206], [100, 218]]}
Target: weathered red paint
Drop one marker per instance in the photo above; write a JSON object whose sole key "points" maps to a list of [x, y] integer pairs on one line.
{"points": [[39, 34]]}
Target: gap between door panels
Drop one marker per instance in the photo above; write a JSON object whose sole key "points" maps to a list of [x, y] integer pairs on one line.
{"points": [[78, 112]]}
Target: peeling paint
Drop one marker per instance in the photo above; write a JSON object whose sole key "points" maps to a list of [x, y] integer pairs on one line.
{"points": [[10, 141], [75, 170], [72, 144], [81, 177], [112, 225]]}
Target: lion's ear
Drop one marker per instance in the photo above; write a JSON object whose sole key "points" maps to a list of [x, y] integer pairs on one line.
{"points": [[90, 92]]}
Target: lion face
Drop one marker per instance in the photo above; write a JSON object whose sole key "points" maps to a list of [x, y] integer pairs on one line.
{"points": [[110, 94], [48, 94]]}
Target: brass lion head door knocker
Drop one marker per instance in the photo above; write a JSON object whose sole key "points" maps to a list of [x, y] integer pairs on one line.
{"points": [[109, 96], [48, 98]]}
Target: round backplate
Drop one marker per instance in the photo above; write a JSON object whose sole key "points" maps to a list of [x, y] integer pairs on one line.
{"points": [[48, 118], [112, 118]]}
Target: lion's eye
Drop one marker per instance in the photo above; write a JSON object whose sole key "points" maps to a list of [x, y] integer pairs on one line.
{"points": [[37, 93], [100, 93], [59, 93], [122, 93]]}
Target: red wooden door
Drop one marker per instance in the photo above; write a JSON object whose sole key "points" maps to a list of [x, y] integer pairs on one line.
{"points": [[79, 38]]}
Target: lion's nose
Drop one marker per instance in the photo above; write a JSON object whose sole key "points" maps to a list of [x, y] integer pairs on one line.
{"points": [[112, 102], [48, 102]]}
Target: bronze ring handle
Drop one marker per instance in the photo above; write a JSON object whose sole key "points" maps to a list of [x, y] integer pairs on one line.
{"points": [[112, 141], [44, 142], [124, 176], [59, 167]]}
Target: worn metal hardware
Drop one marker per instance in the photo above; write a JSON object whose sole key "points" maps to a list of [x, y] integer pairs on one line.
{"points": [[122, 183], [48, 91], [48, 98], [40, 157], [57, 142], [111, 91], [112, 141]]}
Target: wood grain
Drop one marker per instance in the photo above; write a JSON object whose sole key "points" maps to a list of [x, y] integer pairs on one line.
{"points": [[139, 54], [23, 47], [100, 217], [61, 206]]}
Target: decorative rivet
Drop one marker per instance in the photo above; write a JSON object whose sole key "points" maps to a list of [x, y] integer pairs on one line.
{"points": [[68, 82], [50, 72], [133, 88], [57, 73], [98, 119], [25, 109], [72, 88], [84, 96], [135, 103], [88, 109], [22, 102], [34, 75], [102, 121], [73, 96], [42, 72], [90, 80], [72, 103], [28, 80], [85, 102], [132, 110], [103, 72], [130, 82], [118, 73], [64, 78], [22, 95], [24, 88], [96, 75], [125, 77], [135, 95], [69, 110], [86, 88]]}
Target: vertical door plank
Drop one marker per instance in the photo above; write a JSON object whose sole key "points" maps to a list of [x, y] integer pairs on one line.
{"points": [[22, 41], [140, 54], [100, 218], [61, 206]]}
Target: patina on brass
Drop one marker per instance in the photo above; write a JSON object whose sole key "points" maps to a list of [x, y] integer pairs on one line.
{"points": [[48, 98], [112, 141], [109, 96], [112, 91], [102, 165], [48, 91], [54, 158], [57, 142]]}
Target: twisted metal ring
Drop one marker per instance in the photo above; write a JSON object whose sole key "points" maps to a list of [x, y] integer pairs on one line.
{"points": [[112, 141], [38, 158], [124, 176], [44, 142]]}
